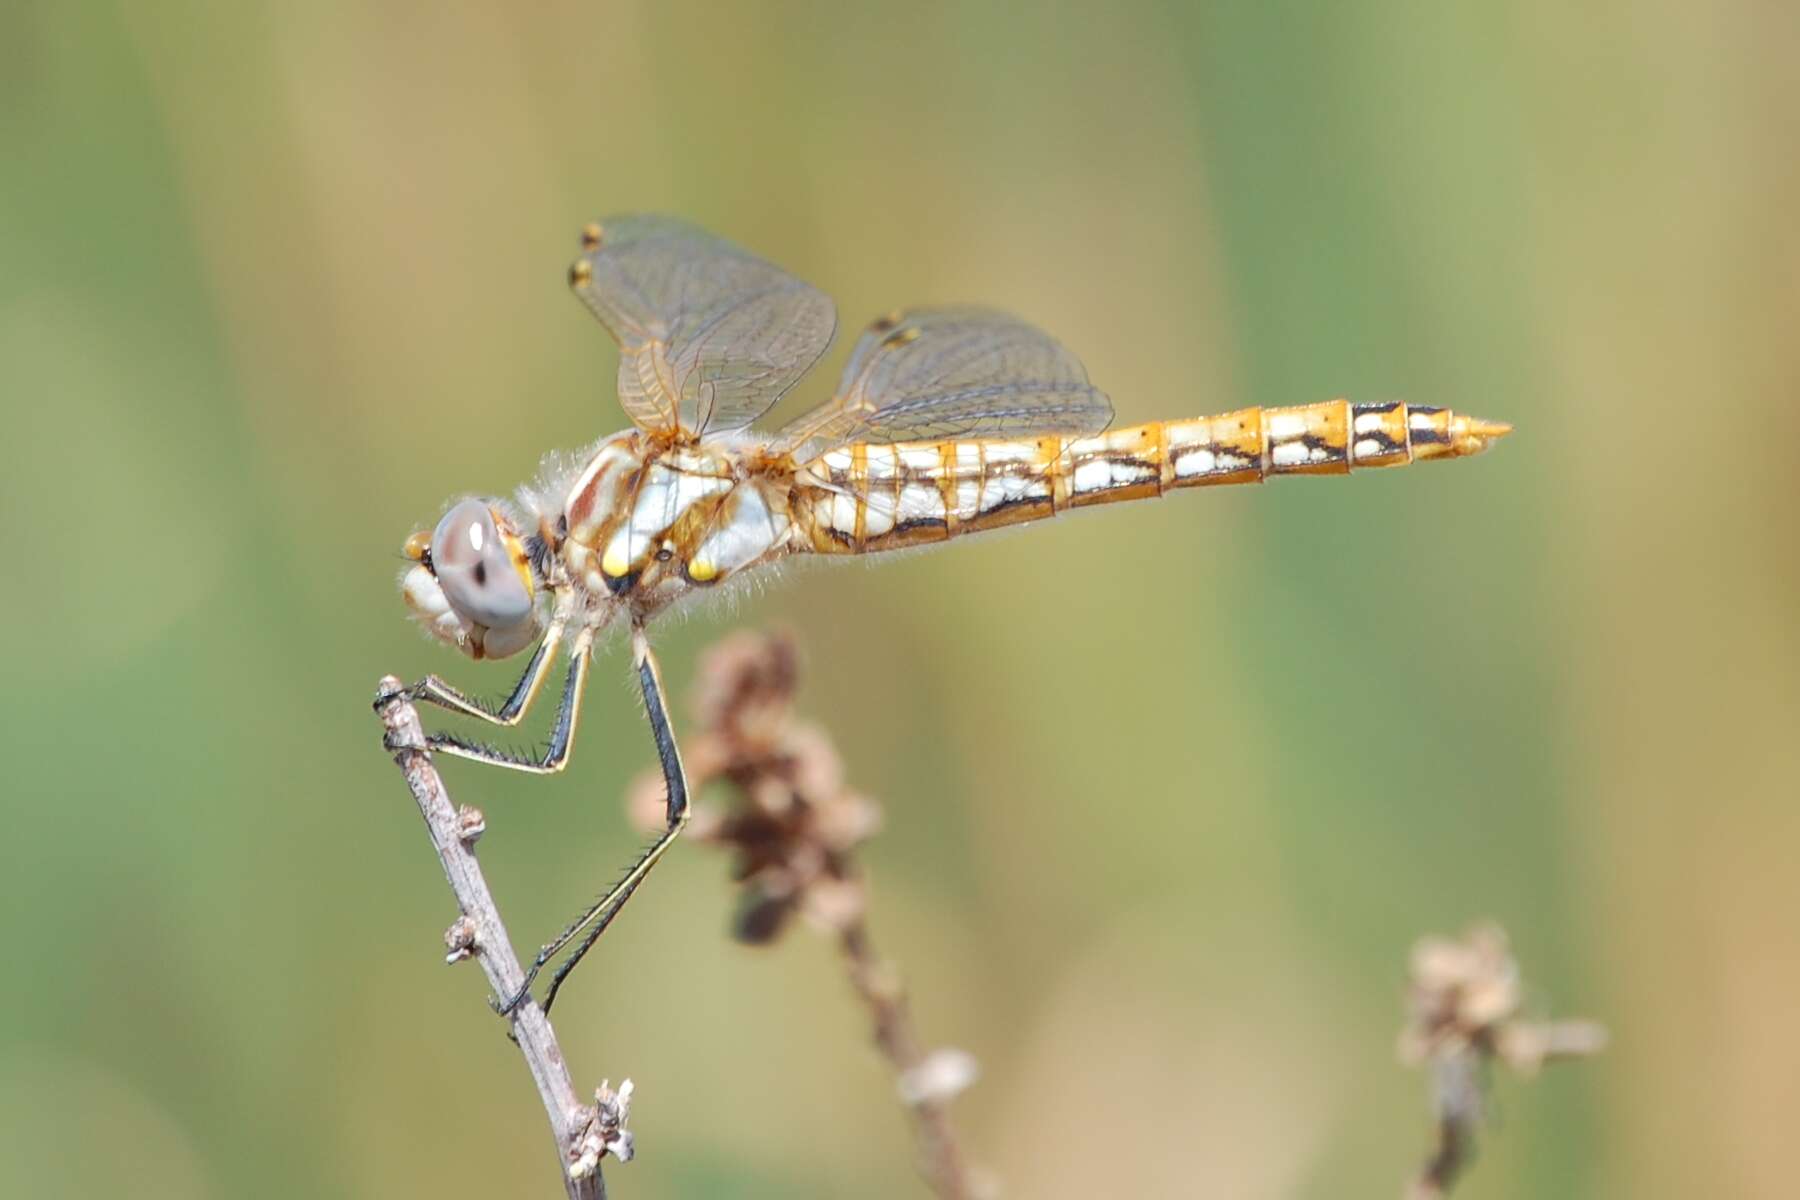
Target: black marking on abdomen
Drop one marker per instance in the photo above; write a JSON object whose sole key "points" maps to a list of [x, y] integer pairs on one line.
{"points": [[912, 524], [1426, 433]]}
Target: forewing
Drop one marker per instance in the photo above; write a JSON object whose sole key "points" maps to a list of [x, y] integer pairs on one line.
{"points": [[710, 336], [934, 374]]}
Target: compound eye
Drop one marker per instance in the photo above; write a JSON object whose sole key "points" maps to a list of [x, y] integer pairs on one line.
{"points": [[476, 568]]}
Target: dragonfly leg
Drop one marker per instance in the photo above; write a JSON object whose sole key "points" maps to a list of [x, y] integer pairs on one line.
{"points": [[433, 690], [593, 922], [562, 735]]}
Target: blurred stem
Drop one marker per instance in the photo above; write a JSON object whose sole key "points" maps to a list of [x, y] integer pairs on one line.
{"points": [[482, 933], [879, 986], [793, 832], [1457, 1098]]}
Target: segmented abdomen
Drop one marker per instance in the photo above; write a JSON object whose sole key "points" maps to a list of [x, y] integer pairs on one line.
{"points": [[865, 498]]}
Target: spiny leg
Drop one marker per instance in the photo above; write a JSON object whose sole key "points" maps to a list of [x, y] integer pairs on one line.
{"points": [[562, 735], [593, 922], [433, 690], [674, 781]]}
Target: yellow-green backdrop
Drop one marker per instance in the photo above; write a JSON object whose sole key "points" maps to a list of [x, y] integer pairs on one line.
{"points": [[1170, 788]]}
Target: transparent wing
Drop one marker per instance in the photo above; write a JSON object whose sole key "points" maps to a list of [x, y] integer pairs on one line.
{"points": [[952, 373], [710, 337]]}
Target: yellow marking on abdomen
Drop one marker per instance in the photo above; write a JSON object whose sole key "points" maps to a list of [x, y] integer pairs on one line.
{"points": [[932, 491]]}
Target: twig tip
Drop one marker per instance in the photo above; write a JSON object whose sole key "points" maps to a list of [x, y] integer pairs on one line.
{"points": [[462, 938], [600, 1130], [1464, 1003], [471, 823]]}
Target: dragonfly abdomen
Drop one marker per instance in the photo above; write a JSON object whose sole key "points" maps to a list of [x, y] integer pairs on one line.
{"points": [[866, 498]]}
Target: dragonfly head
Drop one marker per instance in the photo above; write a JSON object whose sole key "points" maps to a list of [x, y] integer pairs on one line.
{"points": [[471, 583]]}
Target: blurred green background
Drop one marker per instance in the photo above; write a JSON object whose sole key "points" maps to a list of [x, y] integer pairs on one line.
{"points": [[1170, 788]]}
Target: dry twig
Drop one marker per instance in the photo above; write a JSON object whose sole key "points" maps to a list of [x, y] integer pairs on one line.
{"points": [[793, 831], [584, 1133], [1463, 1013]]}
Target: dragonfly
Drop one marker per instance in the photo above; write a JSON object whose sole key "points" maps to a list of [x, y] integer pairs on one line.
{"points": [[946, 422]]}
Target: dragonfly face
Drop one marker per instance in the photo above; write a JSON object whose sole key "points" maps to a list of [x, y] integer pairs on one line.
{"points": [[471, 583]]}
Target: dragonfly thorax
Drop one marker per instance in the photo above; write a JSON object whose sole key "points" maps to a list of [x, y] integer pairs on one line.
{"points": [[645, 522]]}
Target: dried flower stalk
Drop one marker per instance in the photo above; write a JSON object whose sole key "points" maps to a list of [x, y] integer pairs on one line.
{"points": [[793, 829], [1463, 1007]]}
